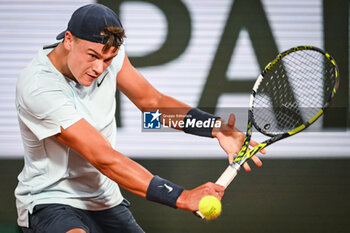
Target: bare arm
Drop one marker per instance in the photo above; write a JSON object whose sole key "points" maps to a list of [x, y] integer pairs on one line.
{"points": [[145, 96], [87, 141]]}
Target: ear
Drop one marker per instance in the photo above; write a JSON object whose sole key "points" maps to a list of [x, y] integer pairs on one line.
{"points": [[68, 40]]}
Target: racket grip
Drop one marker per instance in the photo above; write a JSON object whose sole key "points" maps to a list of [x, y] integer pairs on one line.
{"points": [[228, 175]]}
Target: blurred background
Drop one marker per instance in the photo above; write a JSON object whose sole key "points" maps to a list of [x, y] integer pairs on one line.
{"points": [[208, 54]]}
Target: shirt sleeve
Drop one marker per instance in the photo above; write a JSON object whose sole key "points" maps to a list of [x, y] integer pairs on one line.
{"points": [[47, 107]]}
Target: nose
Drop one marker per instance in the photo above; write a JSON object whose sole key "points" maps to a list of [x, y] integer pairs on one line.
{"points": [[98, 66]]}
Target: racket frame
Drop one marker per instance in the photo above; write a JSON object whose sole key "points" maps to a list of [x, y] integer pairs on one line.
{"points": [[246, 154]]}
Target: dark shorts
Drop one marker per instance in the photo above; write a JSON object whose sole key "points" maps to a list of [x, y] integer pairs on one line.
{"points": [[58, 218]]}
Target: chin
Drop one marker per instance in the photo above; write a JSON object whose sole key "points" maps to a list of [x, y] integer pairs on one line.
{"points": [[85, 82]]}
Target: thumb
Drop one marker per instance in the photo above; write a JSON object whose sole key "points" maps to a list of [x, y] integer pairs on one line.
{"points": [[231, 120]]}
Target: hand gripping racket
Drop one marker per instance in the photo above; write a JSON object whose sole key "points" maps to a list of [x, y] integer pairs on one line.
{"points": [[290, 94]]}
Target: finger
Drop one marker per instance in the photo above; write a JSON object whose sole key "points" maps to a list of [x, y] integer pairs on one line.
{"points": [[247, 167], [257, 161], [219, 188], [230, 158], [231, 120], [214, 190], [210, 186], [219, 191], [254, 143], [219, 195]]}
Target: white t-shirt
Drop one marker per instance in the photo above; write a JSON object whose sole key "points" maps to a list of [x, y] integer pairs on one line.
{"points": [[53, 173]]}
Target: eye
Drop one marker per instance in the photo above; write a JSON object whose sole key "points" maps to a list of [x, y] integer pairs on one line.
{"points": [[93, 56], [108, 60]]}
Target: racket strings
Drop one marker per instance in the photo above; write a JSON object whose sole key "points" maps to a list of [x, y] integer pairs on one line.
{"points": [[292, 91]]}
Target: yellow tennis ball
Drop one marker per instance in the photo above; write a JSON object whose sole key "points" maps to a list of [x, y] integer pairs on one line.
{"points": [[210, 207]]}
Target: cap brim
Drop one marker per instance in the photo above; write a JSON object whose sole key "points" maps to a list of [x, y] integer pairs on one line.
{"points": [[61, 35]]}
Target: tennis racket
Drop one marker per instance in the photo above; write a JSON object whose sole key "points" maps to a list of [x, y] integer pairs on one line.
{"points": [[290, 94]]}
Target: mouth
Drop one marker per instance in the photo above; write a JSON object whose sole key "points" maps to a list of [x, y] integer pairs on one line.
{"points": [[92, 76]]}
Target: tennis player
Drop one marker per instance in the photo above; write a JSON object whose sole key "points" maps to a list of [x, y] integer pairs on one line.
{"points": [[65, 103]]}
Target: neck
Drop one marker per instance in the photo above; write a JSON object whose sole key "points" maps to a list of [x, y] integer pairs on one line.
{"points": [[58, 57]]}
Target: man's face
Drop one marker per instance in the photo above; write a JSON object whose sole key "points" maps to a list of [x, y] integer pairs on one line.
{"points": [[86, 60]]}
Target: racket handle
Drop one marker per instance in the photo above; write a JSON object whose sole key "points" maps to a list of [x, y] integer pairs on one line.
{"points": [[199, 214], [225, 179], [228, 175]]}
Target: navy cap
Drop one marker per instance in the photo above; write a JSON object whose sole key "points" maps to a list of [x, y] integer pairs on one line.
{"points": [[88, 21]]}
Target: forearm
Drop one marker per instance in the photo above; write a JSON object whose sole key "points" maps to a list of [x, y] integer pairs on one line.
{"points": [[127, 173], [94, 147], [136, 179]]}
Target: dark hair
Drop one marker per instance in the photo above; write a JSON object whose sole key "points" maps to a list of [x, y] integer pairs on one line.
{"points": [[114, 35]]}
